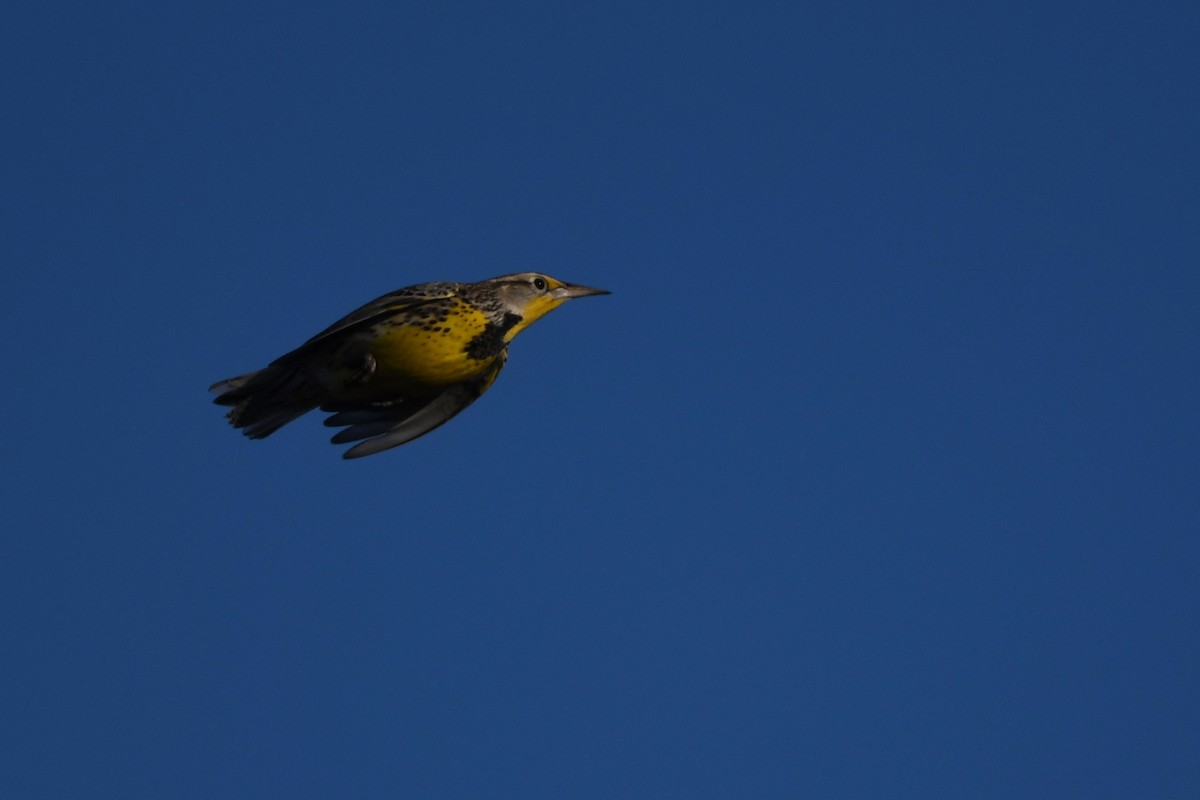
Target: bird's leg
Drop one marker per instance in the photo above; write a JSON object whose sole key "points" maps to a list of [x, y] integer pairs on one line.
{"points": [[363, 370]]}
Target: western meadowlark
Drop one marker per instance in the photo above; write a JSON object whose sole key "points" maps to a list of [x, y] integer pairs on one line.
{"points": [[401, 365]]}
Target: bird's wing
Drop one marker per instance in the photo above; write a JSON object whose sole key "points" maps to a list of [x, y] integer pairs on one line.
{"points": [[385, 426], [379, 308]]}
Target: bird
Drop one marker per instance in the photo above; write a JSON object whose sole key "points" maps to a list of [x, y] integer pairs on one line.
{"points": [[399, 366]]}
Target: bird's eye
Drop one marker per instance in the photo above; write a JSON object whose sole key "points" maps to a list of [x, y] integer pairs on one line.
{"points": [[539, 284]]}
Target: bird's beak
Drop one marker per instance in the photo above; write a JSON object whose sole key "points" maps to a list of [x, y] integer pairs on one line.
{"points": [[571, 290]]}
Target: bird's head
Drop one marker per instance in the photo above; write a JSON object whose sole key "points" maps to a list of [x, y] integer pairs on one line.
{"points": [[532, 295]]}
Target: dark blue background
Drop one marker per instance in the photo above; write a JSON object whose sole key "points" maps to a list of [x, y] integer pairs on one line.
{"points": [[876, 476]]}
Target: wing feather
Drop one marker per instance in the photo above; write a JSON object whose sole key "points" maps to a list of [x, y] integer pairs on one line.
{"points": [[376, 310], [385, 427]]}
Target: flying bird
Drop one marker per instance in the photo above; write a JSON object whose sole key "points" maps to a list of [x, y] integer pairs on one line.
{"points": [[401, 365]]}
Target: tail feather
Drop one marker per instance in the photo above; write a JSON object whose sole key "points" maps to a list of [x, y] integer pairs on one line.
{"points": [[264, 401]]}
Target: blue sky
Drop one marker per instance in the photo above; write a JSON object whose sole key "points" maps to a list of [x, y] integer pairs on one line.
{"points": [[876, 475]]}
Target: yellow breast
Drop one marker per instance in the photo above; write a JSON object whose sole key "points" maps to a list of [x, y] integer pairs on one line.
{"points": [[414, 355]]}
